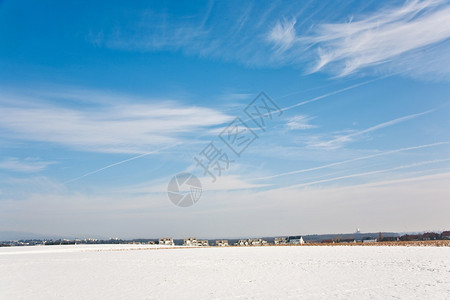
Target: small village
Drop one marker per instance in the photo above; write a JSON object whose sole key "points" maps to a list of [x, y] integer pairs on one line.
{"points": [[442, 238], [297, 240]]}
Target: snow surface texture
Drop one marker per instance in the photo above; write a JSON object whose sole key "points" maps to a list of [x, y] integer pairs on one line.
{"points": [[154, 272]]}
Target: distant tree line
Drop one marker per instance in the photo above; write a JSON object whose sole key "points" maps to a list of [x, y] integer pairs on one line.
{"points": [[427, 236]]}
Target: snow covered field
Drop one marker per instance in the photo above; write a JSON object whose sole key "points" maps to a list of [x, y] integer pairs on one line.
{"points": [[153, 272]]}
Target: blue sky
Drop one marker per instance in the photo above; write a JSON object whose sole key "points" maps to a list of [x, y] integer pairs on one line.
{"points": [[101, 104]]}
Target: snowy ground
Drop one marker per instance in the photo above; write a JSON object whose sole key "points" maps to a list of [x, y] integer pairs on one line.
{"points": [[146, 272]]}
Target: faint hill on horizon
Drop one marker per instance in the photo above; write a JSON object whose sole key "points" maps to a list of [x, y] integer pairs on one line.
{"points": [[23, 235]]}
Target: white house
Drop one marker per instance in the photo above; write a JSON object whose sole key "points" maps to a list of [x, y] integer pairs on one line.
{"points": [[203, 243], [298, 240], [195, 242], [280, 241], [222, 243], [242, 243], [190, 242], [166, 241]]}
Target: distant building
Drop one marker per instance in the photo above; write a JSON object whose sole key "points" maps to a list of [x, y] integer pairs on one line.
{"points": [[222, 243], [251, 242], [257, 242], [430, 236], [166, 241], [203, 243], [190, 242], [280, 241], [370, 241], [296, 240], [195, 242], [242, 243]]}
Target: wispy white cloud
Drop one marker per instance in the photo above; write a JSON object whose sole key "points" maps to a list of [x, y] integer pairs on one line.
{"points": [[233, 36], [28, 165], [160, 30], [242, 19], [299, 122], [20, 188], [392, 36], [223, 183], [230, 97], [115, 128], [283, 35], [381, 37], [152, 30], [228, 183]]}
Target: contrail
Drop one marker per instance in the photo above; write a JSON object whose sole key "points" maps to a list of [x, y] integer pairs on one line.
{"points": [[334, 93], [320, 97], [403, 180], [352, 160], [376, 127], [119, 163], [326, 95], [368, 173]]}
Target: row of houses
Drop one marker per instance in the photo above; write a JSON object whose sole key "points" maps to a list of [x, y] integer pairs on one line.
{"points": [[295, 240], [298, 240], [251, 242], [186, 242], [195, 242]]}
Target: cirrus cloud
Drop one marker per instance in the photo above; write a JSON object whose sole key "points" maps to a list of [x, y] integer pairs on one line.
{"points": [[111, 128]]}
